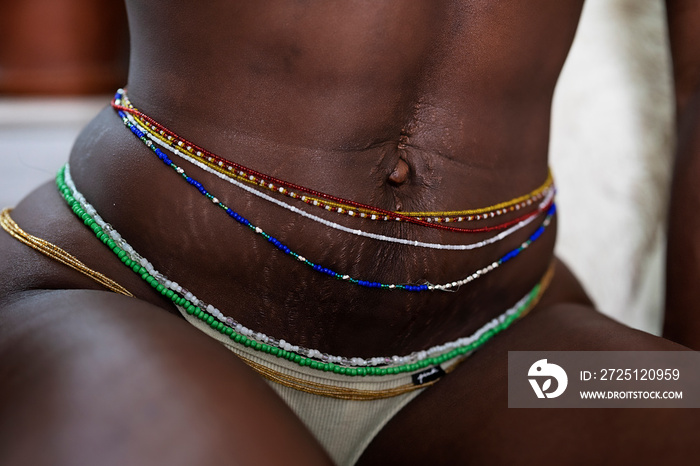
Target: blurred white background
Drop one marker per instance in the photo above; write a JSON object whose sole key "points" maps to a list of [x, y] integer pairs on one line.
{"points": [[36, 135]]}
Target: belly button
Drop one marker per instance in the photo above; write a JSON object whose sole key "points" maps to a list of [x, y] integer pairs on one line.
{"points": [[400, 173]]}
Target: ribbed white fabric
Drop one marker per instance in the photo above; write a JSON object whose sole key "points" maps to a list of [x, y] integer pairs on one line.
{"points": [[343, 427]]}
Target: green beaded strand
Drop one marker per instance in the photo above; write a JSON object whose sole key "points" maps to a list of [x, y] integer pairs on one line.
{"points": [[222, 328]]}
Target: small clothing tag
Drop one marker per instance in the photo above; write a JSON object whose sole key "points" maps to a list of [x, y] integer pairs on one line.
{"points": [[427, 375]]}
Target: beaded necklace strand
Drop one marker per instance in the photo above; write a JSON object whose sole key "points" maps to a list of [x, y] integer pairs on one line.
{"points": [[330, 202], [167, 141], [345, 277], [315, 359], [56, 253], [546, 202], [283, 378]]}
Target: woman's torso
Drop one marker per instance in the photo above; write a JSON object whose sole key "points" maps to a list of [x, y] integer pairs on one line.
{"points": [[414, 105], [409, 106]]}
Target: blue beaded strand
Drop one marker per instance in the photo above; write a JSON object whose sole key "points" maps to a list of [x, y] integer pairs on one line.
{"points": [[282, 247]]}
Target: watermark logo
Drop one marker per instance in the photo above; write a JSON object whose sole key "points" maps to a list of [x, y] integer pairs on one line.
{"points": [[542, 370], [603, 379]]}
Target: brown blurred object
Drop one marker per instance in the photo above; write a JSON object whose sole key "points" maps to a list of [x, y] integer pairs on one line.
{"points": [[62, 47]]}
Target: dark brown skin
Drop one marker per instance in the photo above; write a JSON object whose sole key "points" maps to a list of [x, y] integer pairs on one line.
{"points": [[413, 105], [683, 266]]}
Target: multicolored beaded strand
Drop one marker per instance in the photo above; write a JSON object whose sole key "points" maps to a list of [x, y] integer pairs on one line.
{"points": [[546, 202], [313, 358], [332, 203], [160, 138], [345, 277]]}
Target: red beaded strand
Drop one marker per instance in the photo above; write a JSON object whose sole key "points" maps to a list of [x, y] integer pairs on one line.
{"points": [[269, 178]]}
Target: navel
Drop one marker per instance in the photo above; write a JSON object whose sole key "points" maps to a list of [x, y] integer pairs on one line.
{"points": [[400, 173]]}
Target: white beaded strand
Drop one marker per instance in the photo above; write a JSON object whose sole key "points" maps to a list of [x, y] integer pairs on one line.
{"points": [[281, 343], [454, 247]]}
